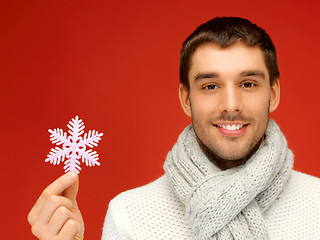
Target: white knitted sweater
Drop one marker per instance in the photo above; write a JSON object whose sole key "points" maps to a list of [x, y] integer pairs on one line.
{"points": [[155, 212]]}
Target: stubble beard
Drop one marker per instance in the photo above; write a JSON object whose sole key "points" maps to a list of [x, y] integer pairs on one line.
{"points": [[232, 158]]}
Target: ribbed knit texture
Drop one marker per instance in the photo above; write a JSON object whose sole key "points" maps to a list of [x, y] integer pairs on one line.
{"points": [[154, 212], [229, 204]]}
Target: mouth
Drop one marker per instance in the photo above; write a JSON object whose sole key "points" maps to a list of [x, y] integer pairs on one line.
{"points": [[232, 129]]}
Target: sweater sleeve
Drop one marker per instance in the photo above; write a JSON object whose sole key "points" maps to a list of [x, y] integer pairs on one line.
{"points": [[116, 225]]}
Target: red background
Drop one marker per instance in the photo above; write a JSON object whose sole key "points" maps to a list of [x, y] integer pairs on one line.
{"points": [[115, 64]]}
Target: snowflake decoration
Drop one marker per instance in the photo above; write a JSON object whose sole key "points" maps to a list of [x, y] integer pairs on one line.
{"points": [[74, 146]]}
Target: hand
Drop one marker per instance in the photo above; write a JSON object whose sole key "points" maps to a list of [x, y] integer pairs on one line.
{"points": [[56, 214]]}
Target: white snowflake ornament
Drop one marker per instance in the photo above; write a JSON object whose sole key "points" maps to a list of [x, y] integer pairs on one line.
{"points": [[74, 146]]}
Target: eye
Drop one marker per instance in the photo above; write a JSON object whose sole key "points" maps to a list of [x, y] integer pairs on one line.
{"points": [[211, 87], [248, 85]]}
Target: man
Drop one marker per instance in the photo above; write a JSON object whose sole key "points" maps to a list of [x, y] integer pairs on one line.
{"points": [[229, 176]]}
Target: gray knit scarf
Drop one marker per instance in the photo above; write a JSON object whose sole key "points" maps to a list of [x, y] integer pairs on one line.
{"points": [[229, 204]]}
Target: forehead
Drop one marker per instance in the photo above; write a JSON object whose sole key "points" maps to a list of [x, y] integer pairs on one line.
{"points": [[238, 57]]}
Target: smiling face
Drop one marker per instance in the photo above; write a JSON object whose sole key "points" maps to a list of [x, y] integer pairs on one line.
{"points": [[229, 99]]}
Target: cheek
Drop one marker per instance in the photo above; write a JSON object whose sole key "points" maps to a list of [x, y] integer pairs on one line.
{"points": [[202, 107], [258, 107]]}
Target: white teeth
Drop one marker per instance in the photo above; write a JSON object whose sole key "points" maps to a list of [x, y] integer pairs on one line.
{"points": [[231, 127]]}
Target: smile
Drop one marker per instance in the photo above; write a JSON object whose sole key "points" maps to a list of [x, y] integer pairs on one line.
{"points": [[231, 127]]}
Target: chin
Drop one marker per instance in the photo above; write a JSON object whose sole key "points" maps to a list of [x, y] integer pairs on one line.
{"points": [[240, 153]]}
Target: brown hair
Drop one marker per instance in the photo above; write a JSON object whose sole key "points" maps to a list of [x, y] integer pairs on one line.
{"points": [[225, 31]]}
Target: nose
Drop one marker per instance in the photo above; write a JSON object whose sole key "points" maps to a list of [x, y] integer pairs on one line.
{"points": [[230, 100]]}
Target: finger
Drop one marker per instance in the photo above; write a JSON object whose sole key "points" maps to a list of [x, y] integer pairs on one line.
{"points": [[62, 183], [55, 188], [71, 230], [57, 221], [49, 208], [42, 219], [72, 191]]}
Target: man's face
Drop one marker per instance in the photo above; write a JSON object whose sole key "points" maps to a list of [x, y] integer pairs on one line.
{"points": [[229, 99]]}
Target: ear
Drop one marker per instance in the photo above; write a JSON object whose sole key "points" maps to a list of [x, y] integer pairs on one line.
{"points": [[184, 99], [275, 95]]}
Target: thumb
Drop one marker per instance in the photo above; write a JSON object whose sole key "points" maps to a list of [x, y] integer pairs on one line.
{"points": [[72, 191]]}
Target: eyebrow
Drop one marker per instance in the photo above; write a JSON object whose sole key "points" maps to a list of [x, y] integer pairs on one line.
{"points": [[247, 73], [205, 75], [252, 73]]}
